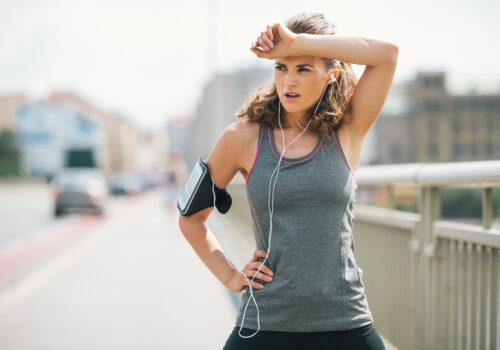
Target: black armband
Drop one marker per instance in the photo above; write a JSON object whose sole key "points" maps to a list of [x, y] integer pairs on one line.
{"points": [[197, 192]]}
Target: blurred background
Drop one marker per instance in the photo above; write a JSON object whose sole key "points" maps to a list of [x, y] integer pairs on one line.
{"points": [[106, 105]]}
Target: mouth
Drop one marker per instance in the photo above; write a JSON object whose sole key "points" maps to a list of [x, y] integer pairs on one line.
{"points": [[291, 96]]}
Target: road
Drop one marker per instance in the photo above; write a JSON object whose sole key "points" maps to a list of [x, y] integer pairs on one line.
{"points": [[128, 280]]}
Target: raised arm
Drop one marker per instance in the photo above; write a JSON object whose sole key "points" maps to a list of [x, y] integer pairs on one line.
{"points": [[373, 86], [379, 57]]}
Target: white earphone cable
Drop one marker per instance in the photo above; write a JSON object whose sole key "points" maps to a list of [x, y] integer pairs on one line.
{"points": [[270, 204]]}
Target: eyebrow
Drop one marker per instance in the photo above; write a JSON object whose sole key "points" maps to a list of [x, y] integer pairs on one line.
{"points": [[299, 65]]}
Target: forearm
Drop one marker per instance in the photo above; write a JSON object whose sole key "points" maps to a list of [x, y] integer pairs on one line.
{"points": [[356, 50], [207, 248]]}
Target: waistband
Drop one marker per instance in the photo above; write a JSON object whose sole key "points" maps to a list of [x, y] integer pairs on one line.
{"points": [[363, 330]]}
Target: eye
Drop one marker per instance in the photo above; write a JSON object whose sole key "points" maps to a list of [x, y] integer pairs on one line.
{"points": [[279, 67], [302, 69]]}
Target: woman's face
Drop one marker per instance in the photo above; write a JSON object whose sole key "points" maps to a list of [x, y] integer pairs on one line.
{"points": [[300, 81]]}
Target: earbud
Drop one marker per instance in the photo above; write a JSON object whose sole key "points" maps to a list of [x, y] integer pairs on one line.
{"points": [[332, 79]]}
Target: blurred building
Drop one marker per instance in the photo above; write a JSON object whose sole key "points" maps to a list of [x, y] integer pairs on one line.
{"points": [[123, 139], [49, 131], [422, 122], [152, 152], [179, 129], [8, 106], [222, 97], [122, 143], [121, 134]]}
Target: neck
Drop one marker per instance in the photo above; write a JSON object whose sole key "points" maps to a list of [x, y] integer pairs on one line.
{"points": [[296, 121]]}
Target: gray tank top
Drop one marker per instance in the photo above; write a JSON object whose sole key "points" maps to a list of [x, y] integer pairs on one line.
{"points": [[317, 285]]}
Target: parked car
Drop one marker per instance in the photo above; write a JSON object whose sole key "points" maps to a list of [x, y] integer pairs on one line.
{"points": [[79, 188], [125, 184], [144, 181]]}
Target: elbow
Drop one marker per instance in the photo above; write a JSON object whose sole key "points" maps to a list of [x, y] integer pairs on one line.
{"points": [[392, 53]]}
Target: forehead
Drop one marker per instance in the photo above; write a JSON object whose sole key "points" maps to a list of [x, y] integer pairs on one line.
{"points": [[298, 60]]}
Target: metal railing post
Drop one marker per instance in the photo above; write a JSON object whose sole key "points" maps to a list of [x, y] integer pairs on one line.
{"points": [[487, 210]]}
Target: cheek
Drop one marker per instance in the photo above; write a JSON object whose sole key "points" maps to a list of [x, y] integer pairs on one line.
{"points": [[278, 81], [315, 88]]}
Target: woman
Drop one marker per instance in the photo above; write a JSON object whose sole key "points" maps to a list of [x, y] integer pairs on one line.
{"points": [[310, 294]]}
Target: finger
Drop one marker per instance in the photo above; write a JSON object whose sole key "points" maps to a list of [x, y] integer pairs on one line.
{"points": [[268, 41], [276, 27], [262, 43], [270, 32], [256, 51], [255, 285], [259, 254], [264, 269], [260, 53], [260, 275], [248, 281]]}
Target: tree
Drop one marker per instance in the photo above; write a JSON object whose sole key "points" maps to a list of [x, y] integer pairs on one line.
{"points": [[10, 154]]}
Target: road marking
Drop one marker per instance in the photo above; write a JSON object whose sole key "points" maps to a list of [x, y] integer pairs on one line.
{"points": [[28, 285], [36, 248]]}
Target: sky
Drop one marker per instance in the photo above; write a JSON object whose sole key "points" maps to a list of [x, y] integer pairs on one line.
{"points": [[149, 60]]}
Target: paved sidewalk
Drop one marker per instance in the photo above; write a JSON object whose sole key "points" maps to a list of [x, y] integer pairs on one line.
{"points": [[133, 282]]}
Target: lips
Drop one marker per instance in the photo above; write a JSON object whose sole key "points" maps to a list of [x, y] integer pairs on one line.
{"points": [[291, 96]]}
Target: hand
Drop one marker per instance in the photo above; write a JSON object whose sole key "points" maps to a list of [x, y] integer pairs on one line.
{"points": [[237, 281], [276, 41]]}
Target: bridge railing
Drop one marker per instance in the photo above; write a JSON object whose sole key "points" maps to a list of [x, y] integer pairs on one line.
{"points": [[430, 283]]}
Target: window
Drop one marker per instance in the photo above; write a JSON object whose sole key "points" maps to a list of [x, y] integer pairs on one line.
{"points": [[432, 106], [489, 149], [456, 123], [432, 149], [473, 150]]}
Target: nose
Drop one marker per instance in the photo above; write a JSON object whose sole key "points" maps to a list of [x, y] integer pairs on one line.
{"points": [[289, 79]]}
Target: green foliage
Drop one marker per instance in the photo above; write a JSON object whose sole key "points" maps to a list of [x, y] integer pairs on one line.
{"points": [[465, 202], [496, 202], [10, 154], [405, 207], [455, 203]]}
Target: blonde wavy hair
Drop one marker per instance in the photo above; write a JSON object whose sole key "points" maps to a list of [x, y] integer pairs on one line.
{"points": [[262, 106]]}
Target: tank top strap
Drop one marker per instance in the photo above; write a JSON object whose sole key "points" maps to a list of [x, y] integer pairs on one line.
{"points": [[259, 145]]}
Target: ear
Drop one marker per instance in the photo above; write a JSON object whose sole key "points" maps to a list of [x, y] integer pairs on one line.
{"points": [[337, 69], [334, 73]]}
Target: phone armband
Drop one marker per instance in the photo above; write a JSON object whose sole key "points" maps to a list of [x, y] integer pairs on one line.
{"points": [[197, 192]]}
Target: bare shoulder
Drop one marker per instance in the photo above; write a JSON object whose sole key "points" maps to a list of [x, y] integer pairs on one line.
{"points": [[240, 134], [246, 135], [244, 129], [233, 151]]}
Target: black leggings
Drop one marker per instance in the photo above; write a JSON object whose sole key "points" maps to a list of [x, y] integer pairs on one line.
{"points": [[362, 338]]}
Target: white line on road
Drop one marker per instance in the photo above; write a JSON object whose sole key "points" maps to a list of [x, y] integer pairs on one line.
{"points": [[35, 280]]}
